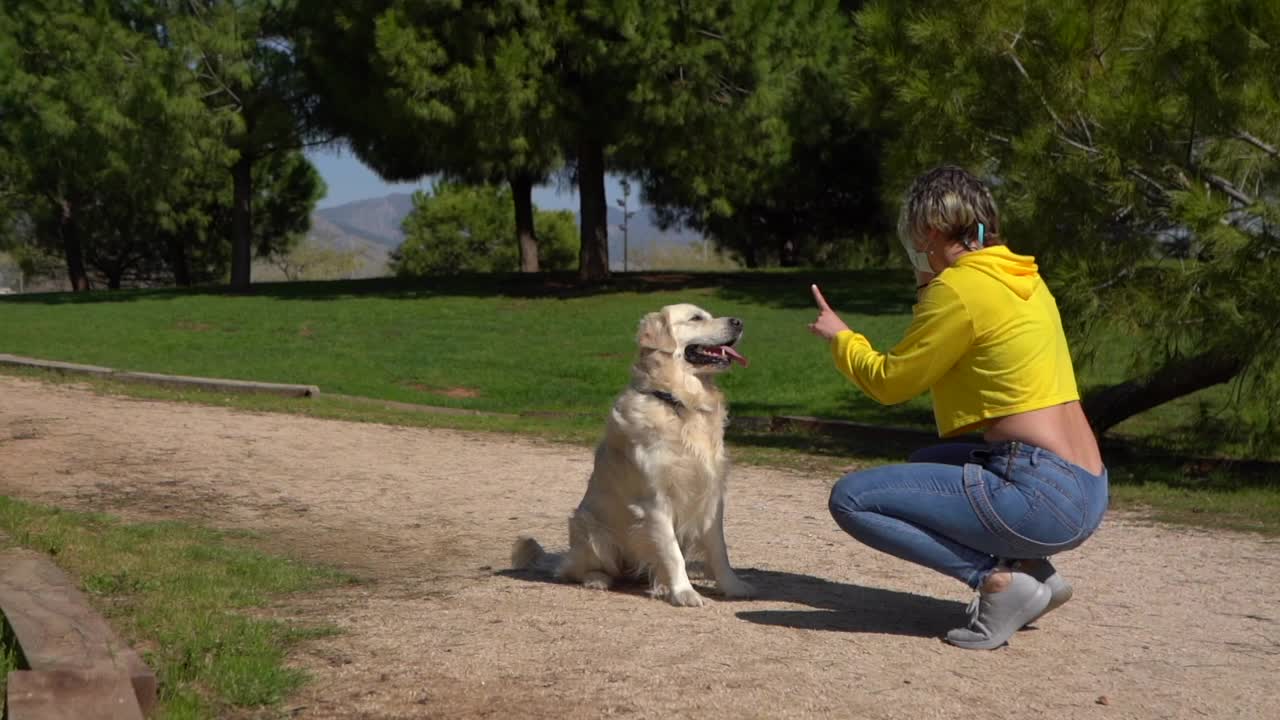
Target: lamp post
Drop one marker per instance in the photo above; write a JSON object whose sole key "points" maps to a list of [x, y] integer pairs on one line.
{"points": [[624, 203]]}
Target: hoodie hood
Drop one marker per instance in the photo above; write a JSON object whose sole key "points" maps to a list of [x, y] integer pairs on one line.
{"points": [[1019, 273]]}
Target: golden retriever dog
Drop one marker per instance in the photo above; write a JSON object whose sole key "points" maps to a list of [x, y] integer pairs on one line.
{"points": [[655, 498]]}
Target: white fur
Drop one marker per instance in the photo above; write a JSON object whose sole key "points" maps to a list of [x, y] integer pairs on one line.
{"points": [[656, 494]]}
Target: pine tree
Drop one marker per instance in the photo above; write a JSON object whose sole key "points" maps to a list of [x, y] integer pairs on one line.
{"points": [[1133, 147], [438, 88], [253, 84], [794, 176], [481, 90], [106, 126]]}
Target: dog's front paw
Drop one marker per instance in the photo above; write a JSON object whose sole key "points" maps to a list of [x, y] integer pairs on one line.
{"points": [[685, 597], [736, 589], [596, 580]]}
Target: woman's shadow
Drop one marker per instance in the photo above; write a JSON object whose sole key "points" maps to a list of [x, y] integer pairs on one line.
{"points": [[836, 606], [844, 607]]}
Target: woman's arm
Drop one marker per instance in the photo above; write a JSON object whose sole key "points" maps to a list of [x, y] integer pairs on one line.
{"points": [[940, 332]]}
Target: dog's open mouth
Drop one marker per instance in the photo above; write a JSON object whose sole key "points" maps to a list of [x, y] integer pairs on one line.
{"points": [[713, 355]]}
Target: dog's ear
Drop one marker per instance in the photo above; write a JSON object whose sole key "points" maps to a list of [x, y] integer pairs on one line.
{"points": [[655, 333]]}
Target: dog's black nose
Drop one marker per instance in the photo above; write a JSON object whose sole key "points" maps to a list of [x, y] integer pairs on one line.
{"points": [[735, 323]]}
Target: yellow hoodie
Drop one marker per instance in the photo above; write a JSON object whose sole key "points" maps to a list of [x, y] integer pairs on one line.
{"points": [[986, 338]]}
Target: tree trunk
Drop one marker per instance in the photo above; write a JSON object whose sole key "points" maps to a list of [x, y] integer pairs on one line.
{"points": [[241, 221], [114, 276], [72, 248], [593, 258], [751, 255], [522, 192], [1112, 405], [178, 261], [787, 254]]}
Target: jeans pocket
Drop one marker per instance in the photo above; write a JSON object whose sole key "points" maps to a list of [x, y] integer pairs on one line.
{"points": [[1049, 523], [1029, 522]]}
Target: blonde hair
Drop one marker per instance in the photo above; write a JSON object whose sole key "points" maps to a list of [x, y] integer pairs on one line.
{"points": [[950, 201]]}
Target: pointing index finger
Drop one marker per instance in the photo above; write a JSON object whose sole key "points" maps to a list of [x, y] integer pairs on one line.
{"points": [[817, 297]]}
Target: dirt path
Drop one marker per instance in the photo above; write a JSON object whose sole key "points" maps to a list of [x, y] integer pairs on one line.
{"points": [[1167, 623]]}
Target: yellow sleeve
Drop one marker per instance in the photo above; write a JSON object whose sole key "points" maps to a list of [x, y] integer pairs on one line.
{"points": [[941, 332]]}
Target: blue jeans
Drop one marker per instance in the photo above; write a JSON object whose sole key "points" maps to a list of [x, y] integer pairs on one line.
{"points": [[961, 508]]}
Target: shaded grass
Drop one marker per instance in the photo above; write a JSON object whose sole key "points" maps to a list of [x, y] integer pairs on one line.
{"points": [[177, 593], [1203, 492]]}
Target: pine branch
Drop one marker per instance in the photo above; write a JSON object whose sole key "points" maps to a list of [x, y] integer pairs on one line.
{"points": [[727, 84], [270, 148], [1217, 181], [1063, 131], [217, 79], [1123, 275], [1179, 376], [1230, 190], [1088, 150], [1257, 142], [1084, 125], [1013, 55], [1149, 181]]}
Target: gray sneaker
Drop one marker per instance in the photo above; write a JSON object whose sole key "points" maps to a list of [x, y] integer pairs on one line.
{"points": [[1045, 572], [995, 617]]}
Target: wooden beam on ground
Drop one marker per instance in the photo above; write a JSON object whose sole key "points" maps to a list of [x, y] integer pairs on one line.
{"points": [[58, 630], [54, 365], [178, 381], [218, 384], [70, 695]]}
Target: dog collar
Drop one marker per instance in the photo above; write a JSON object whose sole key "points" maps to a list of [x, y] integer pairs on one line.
{"points": [[666, 397]]}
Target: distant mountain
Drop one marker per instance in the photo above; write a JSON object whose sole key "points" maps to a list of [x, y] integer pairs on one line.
{"points": [[375, 219], [373, 225], [326, 234]]}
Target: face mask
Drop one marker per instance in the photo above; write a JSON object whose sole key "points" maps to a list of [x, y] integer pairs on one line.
{"points": [[919, 260]]}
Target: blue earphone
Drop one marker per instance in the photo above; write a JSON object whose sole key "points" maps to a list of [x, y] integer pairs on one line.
{"points": [[982, 235]]}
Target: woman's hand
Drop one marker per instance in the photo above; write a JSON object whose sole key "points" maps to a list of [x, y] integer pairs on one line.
{"points": [[828, 324]]}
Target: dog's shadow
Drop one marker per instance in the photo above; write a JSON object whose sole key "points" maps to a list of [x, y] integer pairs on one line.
{"points": [[835, 606]]}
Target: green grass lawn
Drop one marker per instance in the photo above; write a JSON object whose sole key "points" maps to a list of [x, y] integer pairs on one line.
{"points": [[514, 344], [499, 344], [177, 593], [505, 344]]}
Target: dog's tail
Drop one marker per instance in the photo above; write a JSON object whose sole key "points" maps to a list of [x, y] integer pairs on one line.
{"points": [[527, 554]]}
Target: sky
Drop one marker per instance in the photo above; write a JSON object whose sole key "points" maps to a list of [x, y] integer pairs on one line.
{"points": [[349, 180]]}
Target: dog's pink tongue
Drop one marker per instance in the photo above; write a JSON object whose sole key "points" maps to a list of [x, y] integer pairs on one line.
{"points": [[735, 356]]}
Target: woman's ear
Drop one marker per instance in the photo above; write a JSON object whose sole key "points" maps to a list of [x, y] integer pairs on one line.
{"points": [[655, 333], [934, 241]]}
